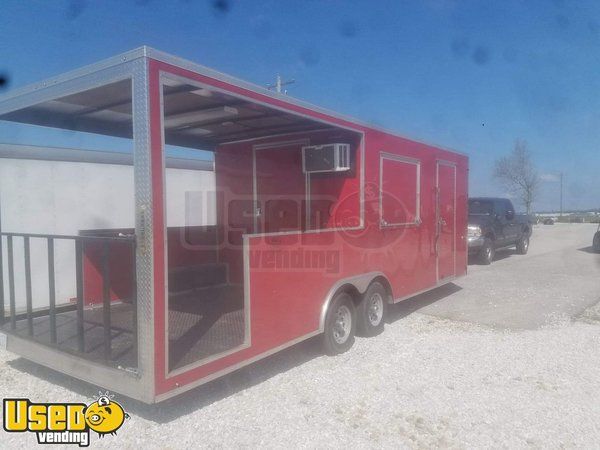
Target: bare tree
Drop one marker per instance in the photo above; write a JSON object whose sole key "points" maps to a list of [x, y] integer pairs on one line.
{"points": [[517, 174]]}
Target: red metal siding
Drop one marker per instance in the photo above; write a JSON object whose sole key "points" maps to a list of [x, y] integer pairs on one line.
{"points": [[285, 303]]}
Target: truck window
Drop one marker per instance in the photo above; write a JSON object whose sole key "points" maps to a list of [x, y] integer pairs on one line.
{"points": [[500, 208], [480, 207]]}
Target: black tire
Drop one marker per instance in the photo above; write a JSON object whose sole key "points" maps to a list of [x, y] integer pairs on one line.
{"points": [[370, 317], [487, 252], [523, 245], [596, 242], [336, 337]]}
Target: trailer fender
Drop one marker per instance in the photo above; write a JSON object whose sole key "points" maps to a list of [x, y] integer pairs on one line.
{"points": [[359, 282]]}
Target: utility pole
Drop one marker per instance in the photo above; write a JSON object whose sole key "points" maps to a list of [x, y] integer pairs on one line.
{"points": [[561, 194], [279, 83]]}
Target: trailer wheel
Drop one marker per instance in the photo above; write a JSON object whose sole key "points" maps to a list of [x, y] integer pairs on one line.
{"points": [[340, 325], [523, 245], [371, 310], [486, 254]]}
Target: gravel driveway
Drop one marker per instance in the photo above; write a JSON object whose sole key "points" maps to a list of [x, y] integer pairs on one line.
{"points": [[558, 279], [518, 367]]}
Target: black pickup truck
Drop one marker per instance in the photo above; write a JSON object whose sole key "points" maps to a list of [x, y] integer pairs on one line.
{"points": [[493, 224]]}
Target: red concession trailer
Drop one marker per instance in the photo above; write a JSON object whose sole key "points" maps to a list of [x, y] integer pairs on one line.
{"points": [[320, 222]]}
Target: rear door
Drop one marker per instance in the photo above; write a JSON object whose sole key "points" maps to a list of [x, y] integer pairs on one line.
{"points": [[446, 220], [501, 225], [513, 227], [505, 229]]}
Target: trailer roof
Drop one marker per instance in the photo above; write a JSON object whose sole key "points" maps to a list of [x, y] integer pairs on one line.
{"points": [[98, 123]]}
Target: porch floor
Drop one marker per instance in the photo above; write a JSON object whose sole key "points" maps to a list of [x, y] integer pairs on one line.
{"points": [[202, 323]]}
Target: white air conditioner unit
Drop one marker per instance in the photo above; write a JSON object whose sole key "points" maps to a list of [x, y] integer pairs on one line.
{"points": [[326, 158]]}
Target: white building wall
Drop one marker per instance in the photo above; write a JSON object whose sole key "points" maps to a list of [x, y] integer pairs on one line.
{"points": [[61, 197]]}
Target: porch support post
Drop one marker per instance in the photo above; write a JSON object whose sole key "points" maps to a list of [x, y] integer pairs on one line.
{"points": [[144, 232]]}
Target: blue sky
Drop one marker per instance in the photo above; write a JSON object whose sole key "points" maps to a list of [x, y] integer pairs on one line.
{"points": [[470, 75]]}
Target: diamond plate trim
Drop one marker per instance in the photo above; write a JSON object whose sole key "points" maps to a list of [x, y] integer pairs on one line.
{"points": [[143, 226]]}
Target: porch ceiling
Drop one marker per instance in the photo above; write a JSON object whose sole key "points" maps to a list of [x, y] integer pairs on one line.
{"points": [[197, 117], [193, 117]]}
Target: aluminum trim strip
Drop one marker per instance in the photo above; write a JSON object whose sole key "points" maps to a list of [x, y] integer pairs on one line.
{"points": [[144, 227], [121, 381]]}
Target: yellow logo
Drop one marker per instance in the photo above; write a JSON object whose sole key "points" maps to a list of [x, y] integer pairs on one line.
{"points": [[63, 423], [105, 416]]}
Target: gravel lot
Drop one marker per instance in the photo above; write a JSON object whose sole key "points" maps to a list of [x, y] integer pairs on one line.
{"points": [[557, 280], [506, 357]]}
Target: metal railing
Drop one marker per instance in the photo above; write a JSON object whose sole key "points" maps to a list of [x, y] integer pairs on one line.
{"points": [[53, 310]]}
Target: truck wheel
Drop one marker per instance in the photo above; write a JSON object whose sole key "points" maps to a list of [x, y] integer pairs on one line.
{"points": [[487, 252], [596, 243], [523, 245], [371, 310], [340, 325]]}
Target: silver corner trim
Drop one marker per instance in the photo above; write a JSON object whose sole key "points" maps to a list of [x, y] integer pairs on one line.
{"points": [[122, 381], [144, 225]]}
